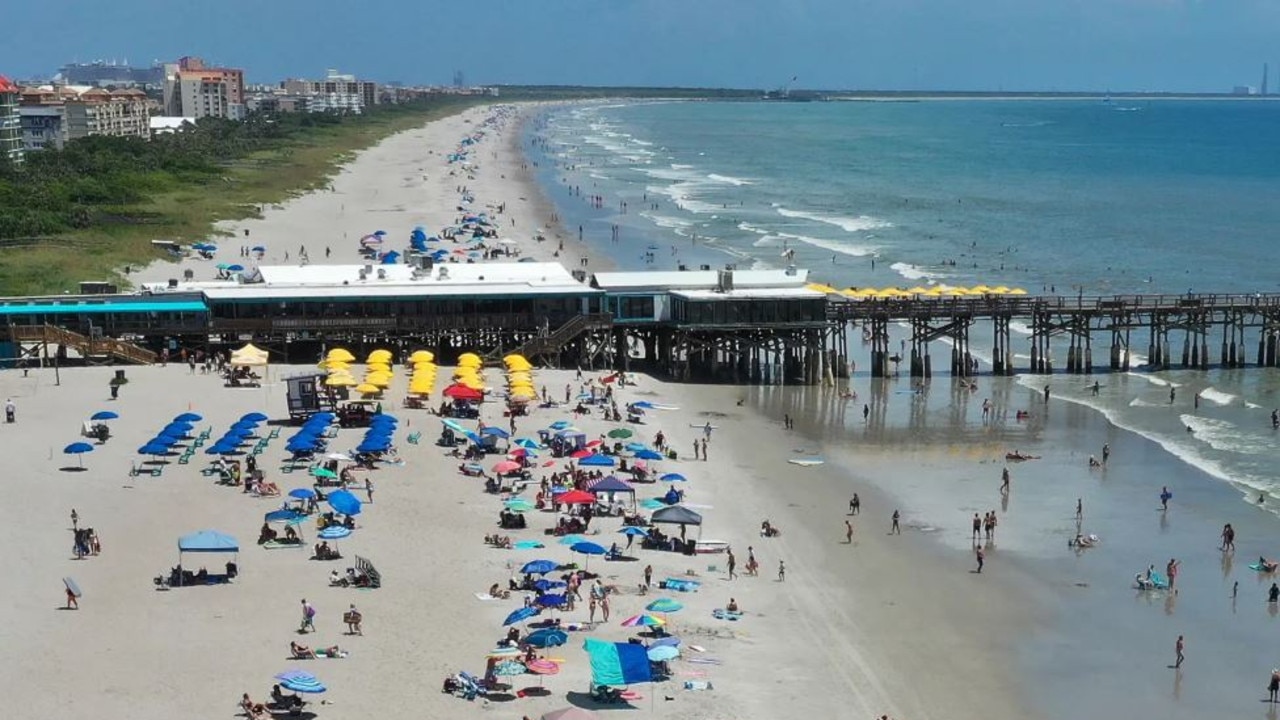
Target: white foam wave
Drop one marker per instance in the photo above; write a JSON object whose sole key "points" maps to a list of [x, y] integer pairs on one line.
{"points": [[913, 272], [1149, 378], [1223, 436], [860, 223], [1216, 396], [1252, 406], [1019, 327], [1139, 402], [729, 179], [666, 221]]}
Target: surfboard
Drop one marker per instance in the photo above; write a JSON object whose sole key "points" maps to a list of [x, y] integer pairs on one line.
{"points": [[1259, 567], [1159, 580], [702, 426], [806, 462], [72, 586]]}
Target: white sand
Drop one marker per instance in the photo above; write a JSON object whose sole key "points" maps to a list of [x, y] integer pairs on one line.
{"points": [[879, 627]]}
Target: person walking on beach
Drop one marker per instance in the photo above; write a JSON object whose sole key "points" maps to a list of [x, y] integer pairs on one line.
{"points": [[1178, 649], [1004, 481], [855, 505], [895, 529], [1228, 538], [75, 519], [1046, 394], [10, 411], [591, 610], [1106, 452], [604, 607], [1173, 393], [1172, 571], [782, 571], [848, 533], [368, 488], [752, 566], [733, 563], [866, 411], [353, 618], [1165, 496], [695, 449], [648, 575], [73, 603], [308, 617], [977, 528], [981, 557], [1273, 595], [1079, 511], [1273, 685], [704, 449]]}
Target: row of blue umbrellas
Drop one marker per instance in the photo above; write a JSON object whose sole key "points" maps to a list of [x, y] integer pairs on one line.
{"points": [[377, 438], [308, 438], [170, 434], [237, 435]]}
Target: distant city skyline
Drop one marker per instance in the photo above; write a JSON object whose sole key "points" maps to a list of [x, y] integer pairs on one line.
{"points": [[978, 45]]}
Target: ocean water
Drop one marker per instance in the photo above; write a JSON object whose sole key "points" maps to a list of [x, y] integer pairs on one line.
{"points": [[1052, 196]]}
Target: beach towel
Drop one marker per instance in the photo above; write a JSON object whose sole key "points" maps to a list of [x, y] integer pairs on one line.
{"points": [[705, 661], [485, 596], [722, 614], [528, 545], [325, 654], [698, 685], [697, 648]]}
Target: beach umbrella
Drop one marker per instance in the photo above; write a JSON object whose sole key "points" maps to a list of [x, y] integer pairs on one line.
{"points": [[633, 530], [244, 425], [664, 605], [663, 653], [235, 268], [588, 548], [519, 615], [545, 585], [673, 477], [459, 391], [495, 431], [340, 457], [300, 682], [544, 666], [580, 454], [506, 466], [325, 473], [254, 417], [344, 502], [334, 532], [373, 446], [509, 668], [78, 449], [422, 356], [527, 444], [597, 461], [469, 360], [520, 505], [258, 248], [368, 389], [643, 620], [103, 415], [551, 601], [153, 449], [340, 381], [504, 652], [648, 454], [620, 433], [570, 540], [177, 427], [560, 424], [539, 567]]}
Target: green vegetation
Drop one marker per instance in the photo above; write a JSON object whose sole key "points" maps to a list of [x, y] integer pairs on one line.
{"points": [[85, 212]]}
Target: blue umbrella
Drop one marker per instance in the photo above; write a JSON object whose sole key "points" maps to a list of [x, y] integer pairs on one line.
{"points": [[539, 567], [334, 532], [527, 444], [545, 585], [165, 440], [285, 516], [648, 454], [547, 637], [78, 449], [235, 268], [258, 248], [103, 415], [635, 447], [673, 477], [571, 539], [222, 450], [588, 548], [596, 461], [633, 530], [560, 424], [302, 493], [300, 682], [372, 447], [153, 449], [188, 417], [384, 417], [344, 502], [662, 653], [519, 615], [255, 416], [551, 600], [496, 432], [473, 437], [177, 427], [244, 425]]}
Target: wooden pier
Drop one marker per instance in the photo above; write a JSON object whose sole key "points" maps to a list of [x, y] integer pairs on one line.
{"points": [[1186, 331]]}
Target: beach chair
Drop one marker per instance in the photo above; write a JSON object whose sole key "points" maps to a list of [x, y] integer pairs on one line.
{"points": [[211, 470], [414, 438], [156, 471], [185, 459], [471, 686], [275, 433], [286, 469]]}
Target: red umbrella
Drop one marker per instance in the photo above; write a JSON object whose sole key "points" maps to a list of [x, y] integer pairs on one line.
{"points": [[462, 392], [579, 454], [576, 497], [517, 453], [595, 443], [548, 463], [506, 466]]}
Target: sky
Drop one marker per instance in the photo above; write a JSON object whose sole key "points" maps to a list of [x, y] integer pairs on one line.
{"points": [[981, 45]]}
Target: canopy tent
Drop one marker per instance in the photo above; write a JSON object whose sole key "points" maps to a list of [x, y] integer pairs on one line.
{"points": [[208, 541], [611, 485], [249, 356], [676, 515], [617, 663]]}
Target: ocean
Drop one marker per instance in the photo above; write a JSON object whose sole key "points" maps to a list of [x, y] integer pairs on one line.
{"points": [[1065, 196]]}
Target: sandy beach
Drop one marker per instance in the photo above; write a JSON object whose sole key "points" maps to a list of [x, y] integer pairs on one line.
{"points": [[883, 625]]}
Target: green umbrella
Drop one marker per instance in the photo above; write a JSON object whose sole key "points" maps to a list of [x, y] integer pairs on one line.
{"points": [[222, 266], [325, 473], [519, 505], [620, 433]]}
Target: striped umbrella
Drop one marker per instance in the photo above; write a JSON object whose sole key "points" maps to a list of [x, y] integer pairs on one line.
{"points": [[300, 682], [643, 620]]}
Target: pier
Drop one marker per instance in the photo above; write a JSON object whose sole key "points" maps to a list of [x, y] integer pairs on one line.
{"points": [[1192, 331]]}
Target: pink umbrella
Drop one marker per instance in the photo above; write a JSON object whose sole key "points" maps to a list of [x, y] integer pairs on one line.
{"points": [[518, 453], [579, 454], [506, 466], [595, 443]]}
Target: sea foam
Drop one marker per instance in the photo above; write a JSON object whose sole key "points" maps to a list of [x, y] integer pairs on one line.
{"points": [[860, 223]]}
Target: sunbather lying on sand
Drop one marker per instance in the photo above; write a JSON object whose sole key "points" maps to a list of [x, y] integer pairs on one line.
{"points": [[302, 652], [251, 709]]}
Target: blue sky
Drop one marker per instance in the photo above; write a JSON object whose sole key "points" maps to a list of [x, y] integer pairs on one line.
{"points": [[1184, 45]]}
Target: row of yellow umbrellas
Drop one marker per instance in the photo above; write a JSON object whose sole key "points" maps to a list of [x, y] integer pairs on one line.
{"points": [[423, 379], [936, 291], [519, 378]]}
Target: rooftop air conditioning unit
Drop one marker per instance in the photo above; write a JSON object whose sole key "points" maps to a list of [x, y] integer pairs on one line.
{"points": [[364, 275], [724, 281], [382, 274], [368, 270], [444, 273]]}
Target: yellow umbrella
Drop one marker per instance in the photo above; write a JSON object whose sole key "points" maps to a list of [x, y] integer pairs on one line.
{"points": [[340, 381], [513, 358], [822, 288], [1017, 291], [469, 359], [379, 356], [934, 293], [379, 382], [424, 366], [420, 356], [341, 355], [473, 383], [379, 374], [956, 292], [333, 365], [887, 293], [917, 290], [999, 290], [368, 389], [979, 290], [378, 367], [519, 365], [519, 375]]}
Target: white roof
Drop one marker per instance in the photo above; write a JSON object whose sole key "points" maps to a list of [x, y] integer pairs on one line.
{"points": [[675, 279], [453, 279], [170, 123], [800, 293]]}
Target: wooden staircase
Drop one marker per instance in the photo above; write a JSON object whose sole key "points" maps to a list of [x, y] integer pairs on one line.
{"points": [[85, 345], [551, 344]]}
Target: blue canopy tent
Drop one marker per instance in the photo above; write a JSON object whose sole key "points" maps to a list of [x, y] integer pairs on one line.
{"points": [[596, 461], [205, 541], [617, 663], [611, 486]]}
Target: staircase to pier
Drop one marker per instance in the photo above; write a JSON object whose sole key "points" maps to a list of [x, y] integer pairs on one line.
{"points": [[552, 343], [88, 347]]}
